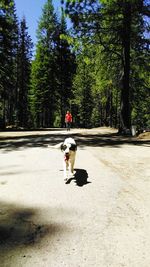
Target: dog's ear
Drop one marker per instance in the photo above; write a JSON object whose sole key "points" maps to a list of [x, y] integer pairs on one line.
{"points": [[58, 146], [73, 147]]}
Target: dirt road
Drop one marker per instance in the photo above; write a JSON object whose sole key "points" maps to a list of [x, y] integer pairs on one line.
{"points": [[100, 219]]}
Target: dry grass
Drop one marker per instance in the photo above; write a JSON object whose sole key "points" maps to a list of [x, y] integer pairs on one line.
{"points": [[145, 135]]}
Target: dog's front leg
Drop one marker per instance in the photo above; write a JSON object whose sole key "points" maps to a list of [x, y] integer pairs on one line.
{"points": [[72, 161], [71, 168], [65, 167]]}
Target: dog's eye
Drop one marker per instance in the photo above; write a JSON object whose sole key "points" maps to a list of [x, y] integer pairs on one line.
{"points": [[63, 147], [73, 147]]}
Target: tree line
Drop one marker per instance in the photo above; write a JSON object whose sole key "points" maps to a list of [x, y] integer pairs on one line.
{"points": [[98, 68]]}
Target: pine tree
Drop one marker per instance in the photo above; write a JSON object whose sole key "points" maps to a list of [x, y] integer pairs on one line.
{"points": [[8, 65], [23, 74], [82, 85], [117, 26], [52, 71], [43, 81], [65, 61]]}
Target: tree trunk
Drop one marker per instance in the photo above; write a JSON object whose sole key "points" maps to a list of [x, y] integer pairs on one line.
{"points": [[125, 92]]}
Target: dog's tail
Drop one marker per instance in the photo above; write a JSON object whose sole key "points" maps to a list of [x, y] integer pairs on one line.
{"points": [[58, 146]]}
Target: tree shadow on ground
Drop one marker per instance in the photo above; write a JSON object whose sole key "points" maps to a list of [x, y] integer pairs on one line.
{"points": [[80, 177], [43, 140], [22, 227], [109, 140]]}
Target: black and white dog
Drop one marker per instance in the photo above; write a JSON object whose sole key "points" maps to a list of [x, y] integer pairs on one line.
{"points": [[69, 148]]}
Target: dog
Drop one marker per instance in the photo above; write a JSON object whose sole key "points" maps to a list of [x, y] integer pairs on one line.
{"points": [[69, 148]]}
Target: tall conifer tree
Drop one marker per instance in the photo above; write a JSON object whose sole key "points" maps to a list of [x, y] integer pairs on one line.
{"points": [[43, 81], [65, 60], [118, 27], [8, 63], [23, 74]]}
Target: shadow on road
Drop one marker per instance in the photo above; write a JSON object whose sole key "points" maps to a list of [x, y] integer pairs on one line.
{"points": [[80, 177], [22, 141], [20, 228]]}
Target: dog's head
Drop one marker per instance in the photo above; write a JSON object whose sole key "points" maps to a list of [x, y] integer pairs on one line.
{"points": [[68, 145]]}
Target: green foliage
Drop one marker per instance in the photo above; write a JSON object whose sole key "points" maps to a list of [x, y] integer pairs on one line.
{"points": [[51, 71], [42, 91], [82, 86], [8, 65], [24, 56], [98, 69], [115, 31]]}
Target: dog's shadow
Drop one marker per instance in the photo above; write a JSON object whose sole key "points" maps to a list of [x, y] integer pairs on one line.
{"points": [[80, 177]]}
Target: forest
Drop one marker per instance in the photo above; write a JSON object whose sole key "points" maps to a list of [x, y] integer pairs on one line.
{"points": [[98, 68]]}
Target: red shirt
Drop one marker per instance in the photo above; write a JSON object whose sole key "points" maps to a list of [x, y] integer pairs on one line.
{"points": [[68, 117]]}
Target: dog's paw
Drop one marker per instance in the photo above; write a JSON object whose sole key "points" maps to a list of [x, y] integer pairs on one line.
{"points": [[66, 180]]}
